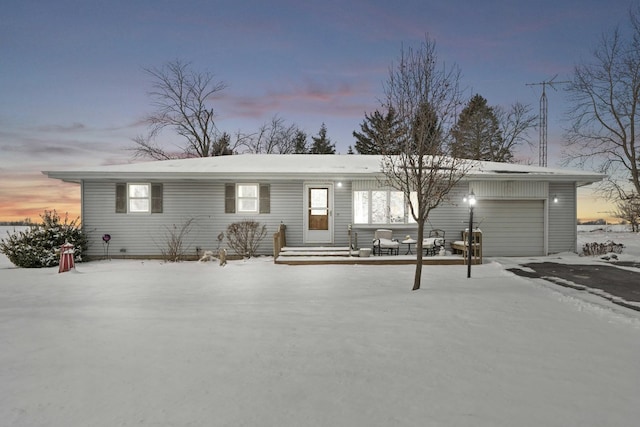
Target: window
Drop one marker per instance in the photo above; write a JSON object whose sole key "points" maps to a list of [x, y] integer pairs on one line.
{"points": [[381, 207], [396, 207], [247, 198], [361, 207], [139, 198]]}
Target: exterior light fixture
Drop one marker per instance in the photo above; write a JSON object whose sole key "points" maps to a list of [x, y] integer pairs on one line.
{"points": [[470, 199], [555, 198], [339, 184]]}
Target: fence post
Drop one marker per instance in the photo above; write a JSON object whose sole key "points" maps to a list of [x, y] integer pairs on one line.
{"points": [[279, 241]]}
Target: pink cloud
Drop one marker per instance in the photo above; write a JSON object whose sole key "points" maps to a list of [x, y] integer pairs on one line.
{"points": [[29, 195], [310, 96]]}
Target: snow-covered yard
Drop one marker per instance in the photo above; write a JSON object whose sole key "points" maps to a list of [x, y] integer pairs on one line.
{"points": [[123, 343]]}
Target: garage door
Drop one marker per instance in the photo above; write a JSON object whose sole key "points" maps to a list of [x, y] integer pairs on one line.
{"points": [[511, 227]]}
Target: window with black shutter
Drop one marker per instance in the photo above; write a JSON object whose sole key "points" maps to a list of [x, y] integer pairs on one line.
{"points": [[121, 198], [247, 198], [230, 198], [265, 198], [139, 198], [156, 198]]}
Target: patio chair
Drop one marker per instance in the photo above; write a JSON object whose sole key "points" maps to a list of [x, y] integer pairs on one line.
{"points": [[383, 241], [434, 242]]}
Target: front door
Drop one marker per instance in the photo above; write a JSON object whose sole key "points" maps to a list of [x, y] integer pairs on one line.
{"points": [[318, 215]]}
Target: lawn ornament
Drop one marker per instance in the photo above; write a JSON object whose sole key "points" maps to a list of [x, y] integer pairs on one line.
{"points": [[66, 258], [106, 238]]}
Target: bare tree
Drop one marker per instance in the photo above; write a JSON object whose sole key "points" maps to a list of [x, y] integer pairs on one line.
{"points": [[606, 112], [629, 210], [515, 124], [275, 137], [425, 96], [182, 98]]}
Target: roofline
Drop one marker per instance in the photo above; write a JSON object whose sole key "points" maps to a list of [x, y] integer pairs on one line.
{"points": [[300, 167], [79, 176]]}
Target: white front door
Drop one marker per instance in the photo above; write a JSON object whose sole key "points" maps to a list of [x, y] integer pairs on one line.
{"points": [[318, 213]]}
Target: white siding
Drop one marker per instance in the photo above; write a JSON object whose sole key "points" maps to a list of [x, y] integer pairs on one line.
{"points": [[509, 189], [562, 218], [512, 227], [342, 216], [140, 235]]}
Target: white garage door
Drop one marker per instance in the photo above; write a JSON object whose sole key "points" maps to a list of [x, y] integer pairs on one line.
{"points": [[511, 227]]}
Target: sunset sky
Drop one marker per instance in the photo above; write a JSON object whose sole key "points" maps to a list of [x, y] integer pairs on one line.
{"points": [[73, 90]]}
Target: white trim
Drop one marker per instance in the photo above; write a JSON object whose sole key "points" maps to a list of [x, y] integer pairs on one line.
{"points": [[546, 226]]}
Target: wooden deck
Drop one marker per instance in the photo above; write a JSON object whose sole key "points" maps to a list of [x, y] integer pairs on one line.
{"points": [[342, 255]]}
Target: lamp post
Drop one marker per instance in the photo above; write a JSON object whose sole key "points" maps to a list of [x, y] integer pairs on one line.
{"points": [[471, 200]]}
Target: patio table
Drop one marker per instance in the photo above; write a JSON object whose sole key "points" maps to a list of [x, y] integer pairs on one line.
{"points": [[409, 242]]}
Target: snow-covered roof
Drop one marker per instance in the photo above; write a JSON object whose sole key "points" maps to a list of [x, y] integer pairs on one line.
{"points": [[295, 166]]}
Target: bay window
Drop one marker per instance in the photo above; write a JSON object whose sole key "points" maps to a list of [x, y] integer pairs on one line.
{"points": [[381, 207]]}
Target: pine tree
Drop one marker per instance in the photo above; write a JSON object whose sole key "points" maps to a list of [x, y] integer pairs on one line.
{"points": [[322, 144], [221, 146], [477, 134], [300, 141], [379, 134]]}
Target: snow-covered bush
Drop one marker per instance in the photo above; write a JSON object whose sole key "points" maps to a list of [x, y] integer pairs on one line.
{"points": [[245, 236], [593, 249], [39, 245]]}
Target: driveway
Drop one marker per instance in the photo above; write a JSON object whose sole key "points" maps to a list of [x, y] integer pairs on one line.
{"points": [[615, 281]]}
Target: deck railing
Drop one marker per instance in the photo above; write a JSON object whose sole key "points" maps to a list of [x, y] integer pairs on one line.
{"points": [[279, 241]]}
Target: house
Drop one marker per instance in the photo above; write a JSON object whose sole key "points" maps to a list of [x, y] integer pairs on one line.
{"points": [[522, 210]]}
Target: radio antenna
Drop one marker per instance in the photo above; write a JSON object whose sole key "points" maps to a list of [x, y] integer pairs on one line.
{"points": [[544, 110]]}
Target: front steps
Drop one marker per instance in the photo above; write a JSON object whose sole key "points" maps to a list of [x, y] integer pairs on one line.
{"points": [[319, 251]]}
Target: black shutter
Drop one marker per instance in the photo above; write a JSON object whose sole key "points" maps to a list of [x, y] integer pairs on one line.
{"points": [[121, 198], [265, 198], [156, 198], [230, 198]]}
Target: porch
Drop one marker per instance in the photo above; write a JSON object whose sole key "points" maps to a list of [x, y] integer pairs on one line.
{"points": [[321, 255], [342, 255]]}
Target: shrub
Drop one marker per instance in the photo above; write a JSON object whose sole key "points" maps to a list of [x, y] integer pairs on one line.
{"points": [[594, 249], [39, 245], [175, 249], [245, 236]]}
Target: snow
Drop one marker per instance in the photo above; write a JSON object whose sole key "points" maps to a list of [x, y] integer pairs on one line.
{"points": [[130, 342], [281, 166]]}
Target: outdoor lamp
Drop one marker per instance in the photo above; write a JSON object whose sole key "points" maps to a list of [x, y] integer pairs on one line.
{"points": [[555, 198], [471, 200]]}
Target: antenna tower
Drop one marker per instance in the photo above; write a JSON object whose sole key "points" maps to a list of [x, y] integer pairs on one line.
{"points": [[544, 110]]}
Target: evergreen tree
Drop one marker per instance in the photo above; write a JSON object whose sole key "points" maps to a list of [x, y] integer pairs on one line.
{"points": [[322, 144], [477, 134], [300, 143], [222, 145], [425, 132], [379, 134]]}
